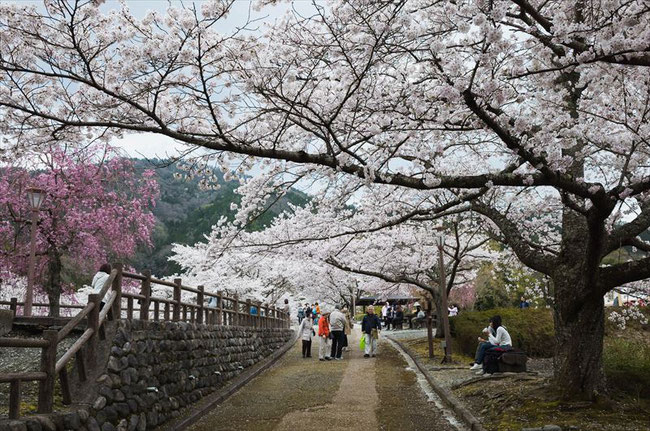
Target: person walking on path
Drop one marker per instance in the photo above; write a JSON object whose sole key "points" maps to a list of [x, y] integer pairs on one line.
{"points": [[324, 338], [337, 326], [347, 330], [370, 327], [306, 331], [301, 314]]}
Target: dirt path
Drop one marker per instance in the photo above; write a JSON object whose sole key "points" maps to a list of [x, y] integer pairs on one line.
{"points": [[355, 401], [355, 393]]}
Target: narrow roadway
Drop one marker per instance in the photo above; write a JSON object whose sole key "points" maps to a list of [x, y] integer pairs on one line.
{"points": [[355, 393]]}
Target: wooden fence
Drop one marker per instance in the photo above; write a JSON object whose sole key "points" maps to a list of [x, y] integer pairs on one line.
{"points": [[112, 303]]}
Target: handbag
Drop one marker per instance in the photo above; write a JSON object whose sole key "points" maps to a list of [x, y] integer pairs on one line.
{"points": [[362, 342]]}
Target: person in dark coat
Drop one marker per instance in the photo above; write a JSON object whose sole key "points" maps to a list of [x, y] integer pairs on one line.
{"points": [[370, 327]]}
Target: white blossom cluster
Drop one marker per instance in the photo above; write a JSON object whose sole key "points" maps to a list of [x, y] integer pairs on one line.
{"points": [[627, 314]]}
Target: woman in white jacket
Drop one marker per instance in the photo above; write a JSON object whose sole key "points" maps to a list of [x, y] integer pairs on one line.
{"points": [[305, 332], [498, 336], [100, 279]]}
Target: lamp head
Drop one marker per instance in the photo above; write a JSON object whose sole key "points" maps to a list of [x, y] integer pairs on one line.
{"points": [[36, 197]]}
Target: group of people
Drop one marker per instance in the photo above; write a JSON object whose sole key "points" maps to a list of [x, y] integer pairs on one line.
{"points": [[393, 315], [313, 309], [333, 331], [497, 336]]}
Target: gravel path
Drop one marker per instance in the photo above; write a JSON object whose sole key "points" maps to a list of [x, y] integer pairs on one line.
{"points": [[21, 359]]}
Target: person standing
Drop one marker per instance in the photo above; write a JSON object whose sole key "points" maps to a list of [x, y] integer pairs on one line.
{"points": [[523, 303], [384, 312], [370, 326], [324, 338], [337, 326], [301, 314], [453, 310], [347, 330], [306, 331]]}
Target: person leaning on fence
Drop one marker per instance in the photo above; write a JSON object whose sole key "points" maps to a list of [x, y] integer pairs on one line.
{"points": [[370, 327], [498, 336], [100, 279], [306, 331], [324, 343]]}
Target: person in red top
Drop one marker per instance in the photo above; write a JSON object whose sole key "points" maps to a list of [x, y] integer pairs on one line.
{"points": [[324, 337]]}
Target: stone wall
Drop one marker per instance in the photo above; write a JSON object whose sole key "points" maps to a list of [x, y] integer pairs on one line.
{"points": [[156, 368]]}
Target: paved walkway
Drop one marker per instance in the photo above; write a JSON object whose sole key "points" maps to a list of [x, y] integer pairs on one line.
{"points": [[355, 393]]}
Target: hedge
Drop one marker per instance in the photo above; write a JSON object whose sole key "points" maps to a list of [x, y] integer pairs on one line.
{"points": [[531, 330]]}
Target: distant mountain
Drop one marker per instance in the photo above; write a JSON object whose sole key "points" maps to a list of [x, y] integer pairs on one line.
{"points": [[185, 213]]}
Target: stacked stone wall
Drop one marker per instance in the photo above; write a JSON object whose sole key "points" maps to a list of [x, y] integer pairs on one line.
{"points": [[157, 368]]}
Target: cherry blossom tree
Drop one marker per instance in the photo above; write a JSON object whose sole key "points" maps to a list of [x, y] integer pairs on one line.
{"points": [[97, 208], [542, 107]]}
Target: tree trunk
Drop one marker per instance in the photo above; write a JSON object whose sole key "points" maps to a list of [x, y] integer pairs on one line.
{"points": [[579, 331], [54, 285]]}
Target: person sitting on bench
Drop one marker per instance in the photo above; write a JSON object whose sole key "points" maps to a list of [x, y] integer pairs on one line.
{"points": [[498, 336], [419, 317]]}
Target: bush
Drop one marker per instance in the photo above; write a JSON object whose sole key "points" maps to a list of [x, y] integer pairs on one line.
{"points": [[531, 330], [626, 363]]}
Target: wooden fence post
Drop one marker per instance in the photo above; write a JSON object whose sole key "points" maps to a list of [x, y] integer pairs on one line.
{"points": [[145, 290], [48, 365], [236, 317], [117, 288], [220, 319], [14, 400], [177, 300], [199, 300], [249, 317], [93, 323], [14, 305]]}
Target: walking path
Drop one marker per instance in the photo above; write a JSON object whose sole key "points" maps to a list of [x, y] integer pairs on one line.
{"points": [[370, 393]]}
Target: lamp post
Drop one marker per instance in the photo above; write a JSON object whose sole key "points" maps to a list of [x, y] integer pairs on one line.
{"points": [[443, 293], [36, 197]]}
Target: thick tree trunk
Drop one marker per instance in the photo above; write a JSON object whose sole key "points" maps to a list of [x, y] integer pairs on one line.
{"points": [[579, 331], [54, 284]]}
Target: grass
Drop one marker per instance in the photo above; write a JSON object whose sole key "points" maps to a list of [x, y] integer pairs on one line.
{"points": [[507, 406]]}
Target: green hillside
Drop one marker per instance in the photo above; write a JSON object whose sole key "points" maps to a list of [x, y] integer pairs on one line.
{"points": [[185, 213]]}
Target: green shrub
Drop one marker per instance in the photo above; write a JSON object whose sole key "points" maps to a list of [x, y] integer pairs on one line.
{"points": [[626, 363], [531, 330]]}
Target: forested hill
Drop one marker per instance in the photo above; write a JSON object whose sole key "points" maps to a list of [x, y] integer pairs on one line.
{"points": [[185, 213]]}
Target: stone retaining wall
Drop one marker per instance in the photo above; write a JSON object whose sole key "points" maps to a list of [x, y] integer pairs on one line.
{"points": [[155, 369]]}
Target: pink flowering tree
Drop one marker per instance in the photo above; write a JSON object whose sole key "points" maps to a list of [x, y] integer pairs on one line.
{"points": [[538, 110], [97, 208]]}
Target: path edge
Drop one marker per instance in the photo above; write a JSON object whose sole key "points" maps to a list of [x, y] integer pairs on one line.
{"points": [[447, 397], [196, 412]]}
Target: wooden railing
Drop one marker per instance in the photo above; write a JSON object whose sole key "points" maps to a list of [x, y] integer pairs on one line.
{"points": [[116, 304]]}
